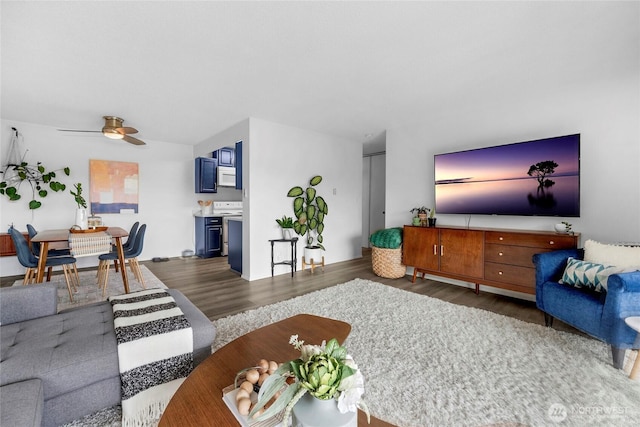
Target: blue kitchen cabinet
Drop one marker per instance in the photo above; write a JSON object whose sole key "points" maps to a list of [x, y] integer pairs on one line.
{"points": [[235, 245], [206, 168], [208, 236], [225, 156]]}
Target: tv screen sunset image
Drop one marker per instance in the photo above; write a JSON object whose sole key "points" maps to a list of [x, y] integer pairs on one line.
{"points": [[539, 177]]}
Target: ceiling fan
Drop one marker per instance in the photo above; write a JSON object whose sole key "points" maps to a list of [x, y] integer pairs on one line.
{"points": [[113, 129]]}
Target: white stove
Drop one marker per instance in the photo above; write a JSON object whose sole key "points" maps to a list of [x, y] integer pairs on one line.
{"points": [[227, 210]]}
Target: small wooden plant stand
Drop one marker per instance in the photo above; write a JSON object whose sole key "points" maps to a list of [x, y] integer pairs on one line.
{"points": [[312, 264]]}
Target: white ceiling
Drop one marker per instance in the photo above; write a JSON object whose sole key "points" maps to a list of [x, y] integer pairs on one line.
{"points": [[183, 71]]}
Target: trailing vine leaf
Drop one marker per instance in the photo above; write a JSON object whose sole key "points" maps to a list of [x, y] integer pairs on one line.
{"points": [[15, 174]]}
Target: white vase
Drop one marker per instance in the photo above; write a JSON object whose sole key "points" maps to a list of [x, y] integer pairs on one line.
{"points": [[560, 227], [314, 254], [286, 233], [312, 412], [82, 220]]}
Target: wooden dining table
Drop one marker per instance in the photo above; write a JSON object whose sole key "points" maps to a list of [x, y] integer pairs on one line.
{"points": [[45, 237]]}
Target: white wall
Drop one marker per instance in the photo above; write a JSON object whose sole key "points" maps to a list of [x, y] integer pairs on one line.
{"points": [[282, 157], [606, 112], [166, 197], [275, 158]]}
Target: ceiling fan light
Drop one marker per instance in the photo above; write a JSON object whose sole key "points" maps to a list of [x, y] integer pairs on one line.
{"points": [[112, 134]]}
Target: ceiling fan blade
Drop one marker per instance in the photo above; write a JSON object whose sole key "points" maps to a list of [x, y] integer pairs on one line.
{"points": [[79, 130], [126, 130], [132, 140]]}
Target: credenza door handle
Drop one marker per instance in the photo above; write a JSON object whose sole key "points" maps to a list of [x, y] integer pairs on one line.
{"points": [[441, 250], [435, 249]]}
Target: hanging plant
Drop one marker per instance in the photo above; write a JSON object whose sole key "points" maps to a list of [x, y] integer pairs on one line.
{"points": [[16, 172], [37, 177]]}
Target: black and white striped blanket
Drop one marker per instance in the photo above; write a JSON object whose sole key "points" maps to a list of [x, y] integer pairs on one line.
{"points": [[155, 352]]}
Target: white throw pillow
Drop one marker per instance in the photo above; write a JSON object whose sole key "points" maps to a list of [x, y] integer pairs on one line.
{"points": [[627, 257]]}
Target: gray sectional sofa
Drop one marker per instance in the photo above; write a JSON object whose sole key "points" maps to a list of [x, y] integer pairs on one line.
{"points": [[57, 367]]}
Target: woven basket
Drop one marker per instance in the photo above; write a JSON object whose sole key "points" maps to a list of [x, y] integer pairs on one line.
{"points": [[388, 262]]}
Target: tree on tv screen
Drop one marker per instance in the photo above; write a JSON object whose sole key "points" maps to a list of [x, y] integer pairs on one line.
{"points": [[540, 170]]}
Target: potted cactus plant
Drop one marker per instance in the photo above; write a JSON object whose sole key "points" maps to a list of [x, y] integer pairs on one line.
{"points": [[432, 218]]}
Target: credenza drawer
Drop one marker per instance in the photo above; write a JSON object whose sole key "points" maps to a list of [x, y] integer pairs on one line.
{"points": [[546, 241], [516, 255], [513, 274]]}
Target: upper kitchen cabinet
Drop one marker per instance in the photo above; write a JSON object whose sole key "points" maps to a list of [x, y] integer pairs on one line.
{"points": [[206, 175], [239, 165], [225, 157]]}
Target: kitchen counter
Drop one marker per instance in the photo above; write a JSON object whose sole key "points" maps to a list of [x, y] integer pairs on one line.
{"points": [[208, 215]]}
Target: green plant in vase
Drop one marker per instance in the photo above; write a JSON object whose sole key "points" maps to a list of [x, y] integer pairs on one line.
{"points": [[82, 219], [80, 201], [421, 214], [310, 211], [286, 223]]}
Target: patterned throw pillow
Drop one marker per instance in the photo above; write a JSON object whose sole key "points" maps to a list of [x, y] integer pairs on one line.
{"points": [[583, 274]]}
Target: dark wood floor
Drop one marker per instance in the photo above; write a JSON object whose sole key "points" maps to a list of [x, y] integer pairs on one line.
{"points": [[219, 292]]}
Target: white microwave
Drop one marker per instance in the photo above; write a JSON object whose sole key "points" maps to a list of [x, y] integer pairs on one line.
{"points": [[226, 176]]}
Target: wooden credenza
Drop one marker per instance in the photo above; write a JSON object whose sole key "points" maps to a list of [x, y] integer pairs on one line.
{"points": [[6, 244], [493, 257]]}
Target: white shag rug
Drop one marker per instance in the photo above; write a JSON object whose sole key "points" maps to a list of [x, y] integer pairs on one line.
{"points": [[88, 291], [431, 363], [427, 362]]}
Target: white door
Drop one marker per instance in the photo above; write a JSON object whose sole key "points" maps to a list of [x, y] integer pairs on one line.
{"points": [[373, 197]]}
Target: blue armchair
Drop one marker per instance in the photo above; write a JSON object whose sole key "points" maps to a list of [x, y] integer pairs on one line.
{"points": [[598, 314]]}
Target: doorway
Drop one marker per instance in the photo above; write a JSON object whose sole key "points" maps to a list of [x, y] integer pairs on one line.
{"points": [[373, 194]]}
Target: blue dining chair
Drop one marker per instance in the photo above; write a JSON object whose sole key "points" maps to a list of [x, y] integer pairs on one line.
{"points": [[130, 257], [35, 246], [128, 244], [30, 262]]}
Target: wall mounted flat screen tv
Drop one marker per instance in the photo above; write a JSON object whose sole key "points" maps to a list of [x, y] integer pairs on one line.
{"points": [[540, 177]]}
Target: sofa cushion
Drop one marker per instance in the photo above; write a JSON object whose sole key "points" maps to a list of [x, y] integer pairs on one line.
{"points": [[20, 303], [68, 351], [583, 274], [22, 403], [627, 257]]}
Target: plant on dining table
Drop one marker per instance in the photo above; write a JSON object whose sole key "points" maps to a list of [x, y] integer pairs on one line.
{"points": [[324, 371], [77, 196]]}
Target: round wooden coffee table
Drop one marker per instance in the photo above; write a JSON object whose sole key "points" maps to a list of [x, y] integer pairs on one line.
{"points": [[198, 401]]}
